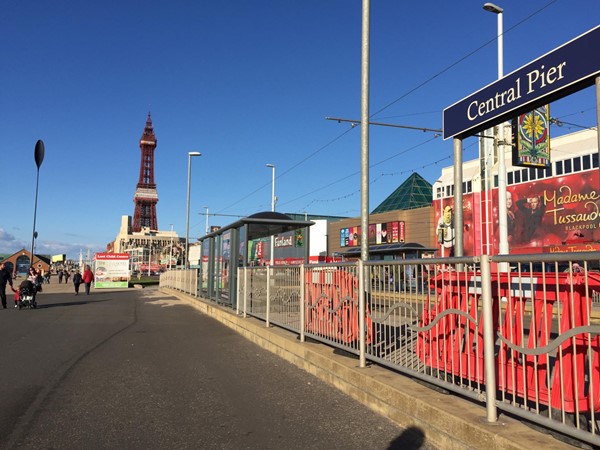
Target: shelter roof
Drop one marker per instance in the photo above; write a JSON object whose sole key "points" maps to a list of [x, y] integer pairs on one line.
{"points": [[264, 224]]}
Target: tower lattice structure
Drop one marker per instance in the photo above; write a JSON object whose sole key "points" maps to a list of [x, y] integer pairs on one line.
{"points": [[146, 196]]}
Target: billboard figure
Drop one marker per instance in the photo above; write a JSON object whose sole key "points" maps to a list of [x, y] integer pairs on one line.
{"points": [[532, 211], [445, 232]]}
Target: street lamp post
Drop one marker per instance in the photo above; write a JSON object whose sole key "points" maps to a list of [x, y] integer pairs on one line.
{"points": [[171, 253], [273, 201], [502, 216], [38, 155], [206, 229], [187, 219]]}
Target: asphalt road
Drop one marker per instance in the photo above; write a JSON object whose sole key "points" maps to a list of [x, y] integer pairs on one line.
{"points": [[138, 369]]}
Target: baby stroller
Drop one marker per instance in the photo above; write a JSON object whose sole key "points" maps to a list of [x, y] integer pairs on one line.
{"points": [[25, 295]]}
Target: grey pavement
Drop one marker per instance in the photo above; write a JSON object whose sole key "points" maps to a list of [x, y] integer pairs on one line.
{"points": [[141, 369], [445, 421]]}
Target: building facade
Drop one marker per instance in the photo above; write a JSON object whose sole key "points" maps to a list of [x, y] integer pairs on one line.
{"points": [[148, 248], [400, 227], [20, 262]]}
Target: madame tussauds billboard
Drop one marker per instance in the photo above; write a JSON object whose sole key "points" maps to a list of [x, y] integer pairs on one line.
{"points": [[559, 214]]}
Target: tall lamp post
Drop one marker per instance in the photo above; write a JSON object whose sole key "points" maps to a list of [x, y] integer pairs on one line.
{"points": [[273, 200], [206, 229], [39, 158], [171, 253], [187, 219], [502, 216]]}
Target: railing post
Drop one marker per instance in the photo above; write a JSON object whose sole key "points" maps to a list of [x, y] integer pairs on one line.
{"points": [[361, 315], [302, 303], [488, 340], [237, 292], [245, 314], [269, 268]]}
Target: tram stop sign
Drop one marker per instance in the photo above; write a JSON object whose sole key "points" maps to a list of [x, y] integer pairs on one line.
{"points": [[569, 68]]}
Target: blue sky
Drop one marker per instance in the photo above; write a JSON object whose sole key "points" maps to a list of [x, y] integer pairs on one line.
{"points": [[246, 83]]}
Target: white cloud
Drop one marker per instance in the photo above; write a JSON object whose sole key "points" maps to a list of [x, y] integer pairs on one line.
{"points": [[10, 244]]}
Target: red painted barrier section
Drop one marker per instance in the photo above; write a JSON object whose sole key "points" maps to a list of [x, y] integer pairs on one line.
{"points": [[332, 305], [454, 345]]}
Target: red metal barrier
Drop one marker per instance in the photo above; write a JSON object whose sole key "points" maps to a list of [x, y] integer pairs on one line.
{"points": [[332, 305], [568, 378]]}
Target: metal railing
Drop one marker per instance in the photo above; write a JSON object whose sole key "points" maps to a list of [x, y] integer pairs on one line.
{"points": [[184, 280], [526, 341]]}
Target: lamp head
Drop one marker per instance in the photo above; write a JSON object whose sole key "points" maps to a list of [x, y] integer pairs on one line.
{"points": [[270, 165], [492, 8], [194, 154]]}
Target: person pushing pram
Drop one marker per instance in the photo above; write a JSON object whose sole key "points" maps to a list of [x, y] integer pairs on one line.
{"points": [[28, 289]]}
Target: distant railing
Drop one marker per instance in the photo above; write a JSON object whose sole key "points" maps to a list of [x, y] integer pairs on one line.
{"points": [[184, 280], [461, 324]]}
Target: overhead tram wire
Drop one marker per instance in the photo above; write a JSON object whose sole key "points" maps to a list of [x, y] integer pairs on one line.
{"points": [[409, 127], [468, 55], [560, 123], [358, 172], [291, 168], [394, 102], [434, 163]]}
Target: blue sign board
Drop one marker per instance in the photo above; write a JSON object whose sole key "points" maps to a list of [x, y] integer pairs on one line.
{"points": [[568, 68]]}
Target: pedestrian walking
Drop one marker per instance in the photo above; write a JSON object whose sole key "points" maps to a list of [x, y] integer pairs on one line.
{"points": [[67, 276], [60, 276], [87, 278], [5, 277], [77, 281]]}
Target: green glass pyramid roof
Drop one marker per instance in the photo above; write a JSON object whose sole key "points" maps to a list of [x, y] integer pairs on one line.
{"points": [[415, 192]]}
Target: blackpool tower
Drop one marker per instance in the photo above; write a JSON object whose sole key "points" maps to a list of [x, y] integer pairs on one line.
{"points": [[146, 197]]}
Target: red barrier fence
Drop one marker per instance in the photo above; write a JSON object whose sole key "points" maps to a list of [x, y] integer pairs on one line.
{"points": [[544, 354], [332, 305]]}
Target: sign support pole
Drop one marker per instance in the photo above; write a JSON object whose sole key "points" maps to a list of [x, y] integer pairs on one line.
{"points": [[458, 198]]}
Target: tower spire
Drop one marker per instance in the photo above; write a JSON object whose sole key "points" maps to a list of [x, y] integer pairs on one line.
{"points": [[146, 196]]}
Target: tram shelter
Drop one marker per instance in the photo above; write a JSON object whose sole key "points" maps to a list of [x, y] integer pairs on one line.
{"points": [[228, 248]]}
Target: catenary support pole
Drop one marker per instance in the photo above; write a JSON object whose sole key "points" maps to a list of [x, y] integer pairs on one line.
{"points": [[364, 133]]}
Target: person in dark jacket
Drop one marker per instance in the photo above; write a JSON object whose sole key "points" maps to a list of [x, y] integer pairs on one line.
{"points": [[5, 277], [77, 279]]}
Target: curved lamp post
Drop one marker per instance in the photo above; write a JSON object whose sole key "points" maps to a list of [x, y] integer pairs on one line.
{"points": [[39, 158], [273, 200], [502, 216], [187, 220]]}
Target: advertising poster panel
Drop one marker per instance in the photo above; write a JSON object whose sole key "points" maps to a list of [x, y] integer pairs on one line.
{"points": [[560, 214], [111, 270], [531, 131], [380, 233], [445, 228], [552, 215]]}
